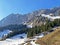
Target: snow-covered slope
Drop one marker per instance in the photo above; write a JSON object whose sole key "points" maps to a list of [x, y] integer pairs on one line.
{"points": [[12, 42], [50, 17], [16, 40]]}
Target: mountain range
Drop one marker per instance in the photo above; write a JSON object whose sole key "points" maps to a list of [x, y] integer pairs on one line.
{"points": [[33, 17]]}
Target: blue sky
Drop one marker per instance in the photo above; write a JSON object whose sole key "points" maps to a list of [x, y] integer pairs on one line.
{"points": [[24, 6]]}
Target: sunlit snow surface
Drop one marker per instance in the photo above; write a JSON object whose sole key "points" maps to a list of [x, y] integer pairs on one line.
{"points": [[51, 17], [12, 42], [16, 40]]}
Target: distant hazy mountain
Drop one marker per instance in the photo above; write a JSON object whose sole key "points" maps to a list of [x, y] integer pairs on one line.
{"points": [[30, 17], [12, 19]]}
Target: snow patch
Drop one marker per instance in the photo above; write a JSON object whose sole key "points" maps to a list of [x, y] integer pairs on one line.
{"points": [[50, 17]]}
